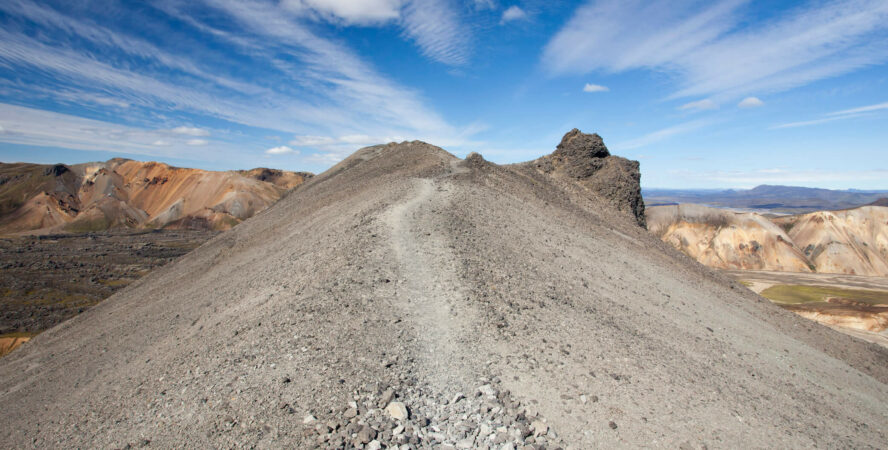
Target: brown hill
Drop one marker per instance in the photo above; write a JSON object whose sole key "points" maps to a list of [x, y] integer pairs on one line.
{"points": [[853, 241], [440, 302], [122, 193], [725, 239]]}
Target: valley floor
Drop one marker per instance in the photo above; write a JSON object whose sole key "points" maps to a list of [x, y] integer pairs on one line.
{"points": [[48, 279], [853, 304]]}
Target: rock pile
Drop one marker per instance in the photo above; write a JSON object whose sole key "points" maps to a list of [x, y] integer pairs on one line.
{"points": [[408, 417]]}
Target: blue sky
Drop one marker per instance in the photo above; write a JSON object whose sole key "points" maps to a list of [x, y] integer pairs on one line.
{"points": [[705, 94]]}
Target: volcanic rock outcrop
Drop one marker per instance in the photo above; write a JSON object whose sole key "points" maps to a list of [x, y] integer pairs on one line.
{"points": [[584, 159], [122, 193], [497, 304]]}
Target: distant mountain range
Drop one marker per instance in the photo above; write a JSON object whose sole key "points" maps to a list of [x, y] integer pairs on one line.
{"points": [[777, 199]]}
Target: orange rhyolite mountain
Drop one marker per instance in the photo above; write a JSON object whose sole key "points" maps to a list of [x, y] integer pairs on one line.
{"points": [[852, 241], [122, 193]]}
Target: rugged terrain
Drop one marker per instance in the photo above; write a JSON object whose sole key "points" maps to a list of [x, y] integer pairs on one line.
{"points": [[49, 278], [122, 193], [852, 241], [406, 296]]}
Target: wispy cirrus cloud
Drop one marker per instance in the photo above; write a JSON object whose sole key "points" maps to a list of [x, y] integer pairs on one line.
{"points": [[861, 111], [438, 31], [660, 135], [699, 105], [36, 127], [309, 84], [703, 47]]}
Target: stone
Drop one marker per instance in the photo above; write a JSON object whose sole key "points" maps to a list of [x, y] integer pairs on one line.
{"points": [[350, 413], [612, 424], [539, 428], [308, 419], [397, 411], [465, 444], [488, 391], [386, 397], [373, 445], [459, 396], [366, 434]]}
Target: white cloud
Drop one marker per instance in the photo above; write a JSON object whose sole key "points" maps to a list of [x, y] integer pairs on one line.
{"points": [[750, 102], [806, 123], [512, 13], [589, 87], [861, 109], [438, 31], [328, 88], [281, 150], [197, 142], [712, 49], [2, 130], [700, 105], [349, 11], [36, 127], [660, 135], [190, 131]]}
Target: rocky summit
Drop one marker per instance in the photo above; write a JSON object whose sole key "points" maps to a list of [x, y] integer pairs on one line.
{"points": [[410, 299], [585, 159]]}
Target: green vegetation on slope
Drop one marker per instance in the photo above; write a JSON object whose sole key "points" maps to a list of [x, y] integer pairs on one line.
{"points": [[795, 294]]}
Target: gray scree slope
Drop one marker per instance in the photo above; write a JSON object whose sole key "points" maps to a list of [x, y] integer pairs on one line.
{"points": [[406, 274]]}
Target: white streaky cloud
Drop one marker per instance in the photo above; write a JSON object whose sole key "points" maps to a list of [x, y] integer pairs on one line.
{"points": [[660, 135], [750, 102], [190, 131], [197, 142], [359, 99], [361, 12], [436, 28], [513, 13], [589, 87], [807, 123], [281, 150], [333, 91], [709, 54], [700, 105], [102, 36], [861, 109], [37, 127]]}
